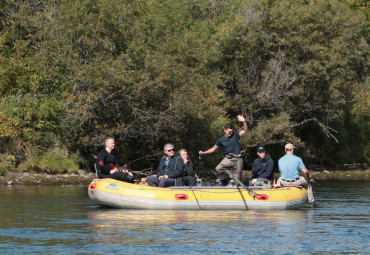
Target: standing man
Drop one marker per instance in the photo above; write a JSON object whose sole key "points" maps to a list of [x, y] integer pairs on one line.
{"points": [[170, 169], [289, 166], [263, 167], [231, 145]]}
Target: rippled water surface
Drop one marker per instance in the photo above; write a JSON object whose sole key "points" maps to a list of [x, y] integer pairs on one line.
{"points": [[62, 220]]}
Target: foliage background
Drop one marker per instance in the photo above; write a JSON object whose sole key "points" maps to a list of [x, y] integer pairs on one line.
{"points": [[151, 72]]}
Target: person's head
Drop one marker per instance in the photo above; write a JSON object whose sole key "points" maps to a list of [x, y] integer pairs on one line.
{"points": [[183, 154], [169, 150], [109, 144], [289, 148], [261, 152], [228, 130]]}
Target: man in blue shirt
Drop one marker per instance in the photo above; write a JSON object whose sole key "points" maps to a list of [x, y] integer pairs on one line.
{"points": [[289, 166], [233, 159]]}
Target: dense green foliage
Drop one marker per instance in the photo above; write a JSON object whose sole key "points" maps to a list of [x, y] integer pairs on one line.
{"points": [[151, 72]]}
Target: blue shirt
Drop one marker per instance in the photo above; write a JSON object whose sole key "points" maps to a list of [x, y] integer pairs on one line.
{"points": [[230, 144], [289, 166]]}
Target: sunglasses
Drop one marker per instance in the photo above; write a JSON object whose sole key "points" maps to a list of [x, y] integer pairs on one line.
{"points": [[170, 150]]}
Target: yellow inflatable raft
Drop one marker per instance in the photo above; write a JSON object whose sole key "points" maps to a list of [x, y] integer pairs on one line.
{"points": [[120, 194]]}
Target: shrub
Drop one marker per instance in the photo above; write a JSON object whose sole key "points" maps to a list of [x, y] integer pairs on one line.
{"points": [[7, 163], [53, 161]]}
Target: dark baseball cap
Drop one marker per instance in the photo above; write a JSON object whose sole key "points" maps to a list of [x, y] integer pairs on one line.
{"points": [[259, 149]]}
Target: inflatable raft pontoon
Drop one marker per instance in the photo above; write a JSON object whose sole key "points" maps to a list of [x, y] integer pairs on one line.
{"points": [[120, 194]]}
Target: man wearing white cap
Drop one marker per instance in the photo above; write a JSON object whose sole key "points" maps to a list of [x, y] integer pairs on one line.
{"points": [[289, 166]]}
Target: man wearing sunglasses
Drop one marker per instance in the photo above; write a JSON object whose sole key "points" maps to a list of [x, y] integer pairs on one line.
{"points": [[170, 169]]}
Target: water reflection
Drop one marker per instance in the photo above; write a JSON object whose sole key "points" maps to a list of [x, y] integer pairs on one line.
{"points": [[144, 226], [112, 216]]}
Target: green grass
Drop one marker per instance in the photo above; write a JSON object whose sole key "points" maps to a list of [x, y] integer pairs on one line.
{"points": [[52, 162]]}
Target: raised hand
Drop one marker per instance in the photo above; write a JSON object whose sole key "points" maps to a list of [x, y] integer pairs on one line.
{"points": [[241, 118]]}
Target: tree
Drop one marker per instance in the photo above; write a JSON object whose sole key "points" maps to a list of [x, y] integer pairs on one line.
{"points": [[296, 59]]}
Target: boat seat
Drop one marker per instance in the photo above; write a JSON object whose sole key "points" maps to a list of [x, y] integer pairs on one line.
{"points": [[97, 170]]}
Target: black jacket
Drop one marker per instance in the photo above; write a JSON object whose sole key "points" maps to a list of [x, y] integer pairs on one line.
{"points": [[106, 161], [174, 170], [263, 168], [189, 166]]}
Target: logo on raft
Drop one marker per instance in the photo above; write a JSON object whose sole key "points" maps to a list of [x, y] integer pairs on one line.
{"points": [[112, 186]]}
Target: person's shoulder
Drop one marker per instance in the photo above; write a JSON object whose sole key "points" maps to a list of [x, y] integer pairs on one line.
{"points": [[298, 158], [221, 138], [285, 157], [294, 156], [176, 155], [268, 157], [103, 151]]}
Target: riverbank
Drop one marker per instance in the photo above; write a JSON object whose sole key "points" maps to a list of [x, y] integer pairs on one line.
{"points": [[84, 178], [25, 178]]}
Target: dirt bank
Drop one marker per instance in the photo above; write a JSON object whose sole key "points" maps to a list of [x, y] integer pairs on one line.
{"points": [[16, 178], [84, 178], [340, 175]]}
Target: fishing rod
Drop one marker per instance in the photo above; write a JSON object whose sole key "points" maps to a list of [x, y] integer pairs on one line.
{"points": [[197, 175], [251, 192]]}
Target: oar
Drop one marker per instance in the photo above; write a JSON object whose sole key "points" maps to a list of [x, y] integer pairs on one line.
{"points": [[199, 163], [251, 192]]}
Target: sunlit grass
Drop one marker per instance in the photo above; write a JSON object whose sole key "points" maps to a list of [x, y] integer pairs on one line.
{"points": [[53, 162]]}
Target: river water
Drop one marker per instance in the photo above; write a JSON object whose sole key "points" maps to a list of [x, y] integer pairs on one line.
{"points": [[62, 220]]}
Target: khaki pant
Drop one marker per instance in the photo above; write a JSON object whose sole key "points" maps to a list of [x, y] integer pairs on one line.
{"points": [[300, 182], [235, 164]]}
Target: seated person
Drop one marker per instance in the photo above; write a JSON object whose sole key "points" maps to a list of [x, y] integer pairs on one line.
{"points": [[290, 165], [107, 165], [170, 170], [188, 170], [263, 168]]}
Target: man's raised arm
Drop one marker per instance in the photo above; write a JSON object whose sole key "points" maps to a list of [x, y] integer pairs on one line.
{"points": [[242, 119]]}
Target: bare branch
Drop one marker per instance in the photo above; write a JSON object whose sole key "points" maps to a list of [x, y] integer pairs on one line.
{"points": [[265, 144], [327, 130]]}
